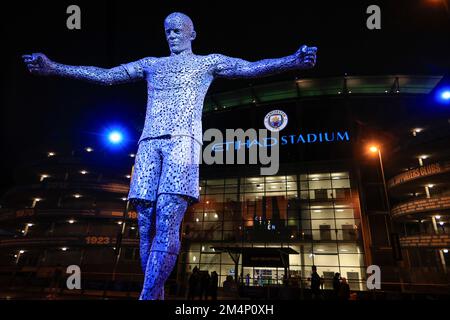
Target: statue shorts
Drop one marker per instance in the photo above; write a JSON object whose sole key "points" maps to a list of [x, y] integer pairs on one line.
{"points": [[166, 164]]}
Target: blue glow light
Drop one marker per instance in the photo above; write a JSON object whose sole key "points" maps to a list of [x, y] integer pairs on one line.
{"points": [[445, 95], [115, 137]]}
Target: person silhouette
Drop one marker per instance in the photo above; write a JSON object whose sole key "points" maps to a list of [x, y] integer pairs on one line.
{"points": [[205, 279], [315, 283], [193, 284], [214, 283], [165, 180], [344, 290], [336, 284], [247, 279]]}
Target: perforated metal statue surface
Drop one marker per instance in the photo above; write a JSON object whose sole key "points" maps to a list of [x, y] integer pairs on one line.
{"points": [[166, 173]]}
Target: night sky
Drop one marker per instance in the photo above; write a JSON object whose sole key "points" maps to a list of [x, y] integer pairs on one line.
{"points": [[39, 114]]}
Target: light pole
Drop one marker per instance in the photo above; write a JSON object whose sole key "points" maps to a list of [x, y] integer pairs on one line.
{"points": [[392, 238], [376, 149]]}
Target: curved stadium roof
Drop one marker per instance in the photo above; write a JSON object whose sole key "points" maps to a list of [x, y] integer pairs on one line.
{"points": [[305, 88]]}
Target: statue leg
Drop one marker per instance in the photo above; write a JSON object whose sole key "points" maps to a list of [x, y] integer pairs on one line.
{"points": [[146, 220], [161, 294], [170, 210]]}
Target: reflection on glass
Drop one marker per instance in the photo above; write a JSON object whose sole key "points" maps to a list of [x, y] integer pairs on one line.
{"points": [[314, 216]]}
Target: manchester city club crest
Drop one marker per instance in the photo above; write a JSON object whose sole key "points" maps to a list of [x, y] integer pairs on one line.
{"points": [[276, 120]]}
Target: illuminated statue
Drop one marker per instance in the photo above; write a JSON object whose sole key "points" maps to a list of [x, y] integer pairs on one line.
{"points": [[166, 173]]}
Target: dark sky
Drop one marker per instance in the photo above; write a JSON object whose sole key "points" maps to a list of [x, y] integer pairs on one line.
{"points": [[38, 113]]}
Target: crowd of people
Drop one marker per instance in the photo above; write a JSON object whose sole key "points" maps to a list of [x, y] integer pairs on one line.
{"points": [[341, 288], [202, 285]]}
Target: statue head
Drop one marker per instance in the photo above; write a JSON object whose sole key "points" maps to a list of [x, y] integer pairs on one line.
{"points": [[179, 32]]}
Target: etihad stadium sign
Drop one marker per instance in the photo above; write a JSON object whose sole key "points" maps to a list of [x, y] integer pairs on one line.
{"points": [[256, 146], [292, 139]]}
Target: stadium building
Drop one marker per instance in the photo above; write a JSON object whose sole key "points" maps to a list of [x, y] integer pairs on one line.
{"points": [[332, 203]]}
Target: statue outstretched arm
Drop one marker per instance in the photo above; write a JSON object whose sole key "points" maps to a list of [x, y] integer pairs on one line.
{"points": [[38, 63], [227, 67]]}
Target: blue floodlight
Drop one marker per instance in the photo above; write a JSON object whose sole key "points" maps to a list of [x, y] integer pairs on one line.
{"points": [[443, 95], [115, 137]]}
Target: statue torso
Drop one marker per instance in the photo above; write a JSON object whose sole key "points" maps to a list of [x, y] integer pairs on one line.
{"points": [[177, 86]]}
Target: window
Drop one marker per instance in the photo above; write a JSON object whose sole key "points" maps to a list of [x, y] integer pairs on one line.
{"points": [[320, 194], [318, 221], [325, 232]]}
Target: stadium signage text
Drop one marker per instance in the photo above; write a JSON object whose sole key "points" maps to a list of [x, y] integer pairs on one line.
{"points": [[427, 170], [292, 139]]}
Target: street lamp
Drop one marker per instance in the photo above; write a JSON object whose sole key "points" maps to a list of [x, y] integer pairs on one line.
{"points": [[373, 149], [392, 238], [18, 255], [415, 131], [376, 149]]}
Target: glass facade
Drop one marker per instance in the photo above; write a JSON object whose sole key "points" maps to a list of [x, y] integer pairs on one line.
{"points": [[315, 214]]}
